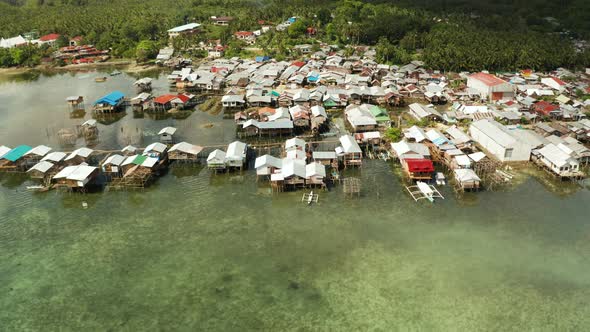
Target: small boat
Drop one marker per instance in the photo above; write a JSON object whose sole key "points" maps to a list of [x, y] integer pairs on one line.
{"points": [[115, 73], [310, 198], [426, 190], [100, 79], [37, 188]]}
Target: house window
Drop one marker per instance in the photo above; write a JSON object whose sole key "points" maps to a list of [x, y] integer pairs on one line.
{"points": [[508, 153]]}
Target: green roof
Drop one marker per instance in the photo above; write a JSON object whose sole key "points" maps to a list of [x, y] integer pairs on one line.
{"points": [[382, 118], [378, 111], [16, 153], [139, 160], [330, 103]]}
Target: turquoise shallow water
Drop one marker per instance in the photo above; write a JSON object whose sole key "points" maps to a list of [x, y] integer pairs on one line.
{"points": [[204, 252]]}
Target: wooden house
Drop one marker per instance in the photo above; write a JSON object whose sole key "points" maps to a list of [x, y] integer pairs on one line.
{"points": [[184, 151], [76, 103], [350, 151], [13, 160], [76, 177], [111, 167], [418, 169], [167, 135], [267, 165], [327, 158], [216, 160], [236, 155], [315, 174], [79, 156], [43, 170], [113, 102], [35, 155], [466, 179]]}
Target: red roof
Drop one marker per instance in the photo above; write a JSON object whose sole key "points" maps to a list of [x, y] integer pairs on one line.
{"points": [[184, 98], [244, 33], [420, 165], [164, 99], [560, 82], [298, 63], [545, 107], [49, 37], [488, 79], [77, 39]]}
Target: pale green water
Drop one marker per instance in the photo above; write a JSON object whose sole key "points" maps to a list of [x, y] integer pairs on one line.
{"points": [[204, 252]]}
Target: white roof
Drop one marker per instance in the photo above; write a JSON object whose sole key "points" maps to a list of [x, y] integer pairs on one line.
{"points": [[268, 160], [296, 154], [75, 173], [415, 133], [145, 80], [167, 130], [465, 175], [295, 142], [463, 160], [82, 152], [115, 159], [236, 150], [90, 122], [556, 156], [185, 27], [129, 148], [458, 136], [324, 155], [319, 111], [422, 111], [40, 151], [12, 42], [149, 162], [156, 147], [495, 131], [477, 156], [402, 147], [42, 167], [216, 155], [81, 173], [4, 150], [187, 148], [293, 167], [349, 145], [54, 157], [315, 169]]}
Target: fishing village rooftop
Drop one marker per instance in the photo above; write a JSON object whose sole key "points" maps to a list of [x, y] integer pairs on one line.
{"points": [[325, 112]]}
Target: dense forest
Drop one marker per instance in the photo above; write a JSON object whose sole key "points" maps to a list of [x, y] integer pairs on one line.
{"points": [[447, 34]]}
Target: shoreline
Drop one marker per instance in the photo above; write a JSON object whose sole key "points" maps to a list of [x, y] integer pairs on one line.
{"points": [[127, 65]]}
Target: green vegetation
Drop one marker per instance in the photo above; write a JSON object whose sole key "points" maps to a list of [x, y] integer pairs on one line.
{"points": [[451, 35], [393, 134]]}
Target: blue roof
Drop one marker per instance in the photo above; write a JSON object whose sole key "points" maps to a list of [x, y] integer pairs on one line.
{"points": [[112, 98], [262, 58], [16, 153], [292, 19]]}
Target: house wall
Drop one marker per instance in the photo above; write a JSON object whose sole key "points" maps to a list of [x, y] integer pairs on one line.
{"points": [[520, 151]]}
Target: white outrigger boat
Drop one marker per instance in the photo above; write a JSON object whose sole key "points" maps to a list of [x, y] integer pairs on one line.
{"points": [[310, 198], [423, 190]]}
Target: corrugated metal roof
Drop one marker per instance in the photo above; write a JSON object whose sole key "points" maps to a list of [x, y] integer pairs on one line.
{"points": [[54, 157], [42, 167], [16, 153], [40, 151], [349, 145]]}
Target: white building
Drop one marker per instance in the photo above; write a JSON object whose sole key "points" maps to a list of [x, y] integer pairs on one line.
{"points": [[499, 141], [183, 29], [558, 160], [491, 87]]}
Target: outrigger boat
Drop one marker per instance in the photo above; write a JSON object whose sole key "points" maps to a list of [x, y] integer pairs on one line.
{"points": [[423, 190], [100, 79], [310, 198]]}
